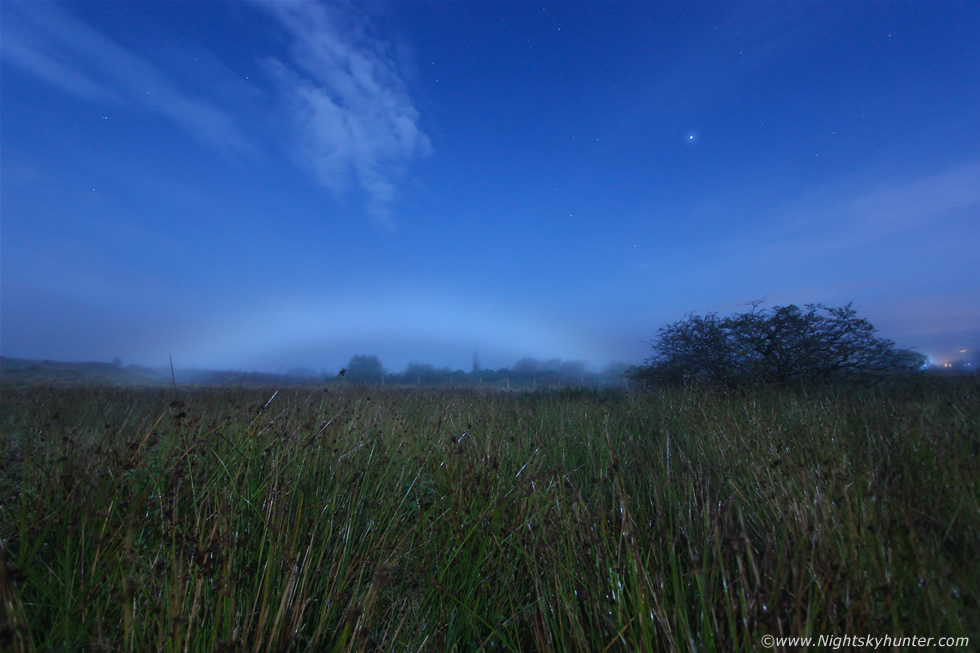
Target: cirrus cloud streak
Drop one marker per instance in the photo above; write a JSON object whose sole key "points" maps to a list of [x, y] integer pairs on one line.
{"points": [[354, 124], [48, 42]]}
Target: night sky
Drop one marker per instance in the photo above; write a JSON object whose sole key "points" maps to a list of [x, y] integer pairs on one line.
{"points": [[259, 186]]}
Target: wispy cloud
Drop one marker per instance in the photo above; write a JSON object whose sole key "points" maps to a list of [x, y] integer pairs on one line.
{"points": [[867, 210], [44, 40], [860, 236], [355, 123], [920, 202]]}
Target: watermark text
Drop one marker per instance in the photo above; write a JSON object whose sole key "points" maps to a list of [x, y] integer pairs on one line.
{"points": [[865, 641]]}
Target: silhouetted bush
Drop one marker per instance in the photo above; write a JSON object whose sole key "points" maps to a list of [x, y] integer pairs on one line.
{"points": [[778, 345]]}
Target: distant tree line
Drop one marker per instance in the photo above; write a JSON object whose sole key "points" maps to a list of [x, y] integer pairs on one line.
{"points": [[526, 373], [762, 346], [773, 346]]}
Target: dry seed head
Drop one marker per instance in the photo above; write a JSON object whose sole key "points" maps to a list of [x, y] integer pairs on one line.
{"points": [[382, 576], [353, 613]]}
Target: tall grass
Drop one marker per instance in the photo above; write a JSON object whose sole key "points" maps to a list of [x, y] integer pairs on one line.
{"points": [[241, 520]]}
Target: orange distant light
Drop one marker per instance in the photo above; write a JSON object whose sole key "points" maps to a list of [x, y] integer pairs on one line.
{"points": [[962, 351]]}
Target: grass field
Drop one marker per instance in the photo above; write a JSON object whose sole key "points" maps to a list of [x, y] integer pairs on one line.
{"points": [[400, 520]]}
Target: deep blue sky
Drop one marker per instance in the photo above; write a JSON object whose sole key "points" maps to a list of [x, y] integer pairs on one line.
{"points": [[269, 185]]}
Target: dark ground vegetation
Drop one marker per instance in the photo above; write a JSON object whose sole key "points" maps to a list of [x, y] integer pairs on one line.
{"points": [[359, 519]]}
